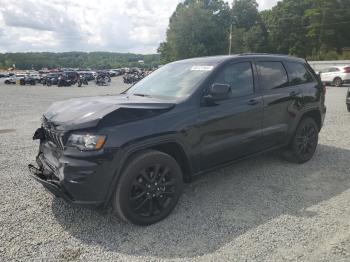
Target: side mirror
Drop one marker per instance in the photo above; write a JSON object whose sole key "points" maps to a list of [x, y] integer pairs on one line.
{"points": [[217, 92]]}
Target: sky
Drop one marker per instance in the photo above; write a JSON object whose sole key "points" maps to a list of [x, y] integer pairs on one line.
{"points": [[136, 26]]}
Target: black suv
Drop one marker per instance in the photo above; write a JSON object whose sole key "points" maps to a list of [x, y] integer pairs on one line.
{"points": [[135, 150]]}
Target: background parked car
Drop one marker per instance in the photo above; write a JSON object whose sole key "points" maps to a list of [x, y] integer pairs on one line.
{"points": [[50, 79], [68, 78], [88, 75], [27, 80], [4, 75], [14, 78], [336, 76], [102, 78]]}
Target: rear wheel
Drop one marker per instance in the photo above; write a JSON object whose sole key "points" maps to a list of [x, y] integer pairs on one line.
{"points": [[304, 143], [149, 188], [338, 82]]}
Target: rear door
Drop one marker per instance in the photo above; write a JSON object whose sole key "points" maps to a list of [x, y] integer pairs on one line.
{"points": [[330, 74], [281, 100]]}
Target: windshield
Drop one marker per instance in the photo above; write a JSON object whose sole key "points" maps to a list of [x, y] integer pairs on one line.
{"points": [[175, 80]]}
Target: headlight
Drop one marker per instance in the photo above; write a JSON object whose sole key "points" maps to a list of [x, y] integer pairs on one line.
{"points": [[86, 142]]}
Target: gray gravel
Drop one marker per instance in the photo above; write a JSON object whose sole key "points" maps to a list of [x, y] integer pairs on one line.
{"points": [[263, 209]]}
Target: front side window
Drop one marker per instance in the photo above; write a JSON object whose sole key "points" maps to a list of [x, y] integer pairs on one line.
{"points": [[298, 74], [239, 77], [273, 75]]}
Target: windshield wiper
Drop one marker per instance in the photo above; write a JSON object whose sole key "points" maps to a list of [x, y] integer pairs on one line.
{"points": [[143, 95]]}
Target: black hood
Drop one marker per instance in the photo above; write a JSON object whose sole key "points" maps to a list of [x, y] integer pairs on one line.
{"points": [[87, 112]]}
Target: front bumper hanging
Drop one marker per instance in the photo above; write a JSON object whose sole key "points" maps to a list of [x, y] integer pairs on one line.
{"points": [[51, 185]]}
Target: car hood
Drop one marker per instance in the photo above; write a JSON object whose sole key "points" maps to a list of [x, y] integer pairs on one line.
{"points": [[86, 112]]}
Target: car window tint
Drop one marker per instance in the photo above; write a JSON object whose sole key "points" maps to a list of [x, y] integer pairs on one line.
{"points": [[273, 75], [298, 74], [240, 78]]}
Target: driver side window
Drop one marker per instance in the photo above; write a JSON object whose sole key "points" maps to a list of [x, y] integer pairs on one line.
{"points": [[239, 77]]}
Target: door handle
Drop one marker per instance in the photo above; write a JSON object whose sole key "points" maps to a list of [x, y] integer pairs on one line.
{"points": [[253, 102]]}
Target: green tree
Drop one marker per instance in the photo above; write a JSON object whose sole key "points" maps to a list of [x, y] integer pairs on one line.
{"points": [[245, 13], [197, 28]]}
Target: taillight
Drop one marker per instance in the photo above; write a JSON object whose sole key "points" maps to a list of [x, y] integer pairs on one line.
{"points": [[346, 70]]}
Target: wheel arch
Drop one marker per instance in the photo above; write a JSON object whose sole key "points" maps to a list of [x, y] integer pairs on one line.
{"points": [[315, 114], [176, 151], [170, 147]]}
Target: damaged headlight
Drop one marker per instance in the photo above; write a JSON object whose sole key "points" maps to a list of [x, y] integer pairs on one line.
{"points": [[86, 142]]}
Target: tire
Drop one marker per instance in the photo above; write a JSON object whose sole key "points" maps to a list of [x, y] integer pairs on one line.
{"points": [[348, 106], [148, 189], [7, 82], [338, 82], [304, 143]]}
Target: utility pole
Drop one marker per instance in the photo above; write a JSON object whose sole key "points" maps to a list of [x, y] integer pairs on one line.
{"points": [[321, 37], [230, 48]]}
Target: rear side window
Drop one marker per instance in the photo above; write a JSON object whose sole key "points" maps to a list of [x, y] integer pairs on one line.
{"points": [[334, 69], [239, 76], [273, 75], [298, 74]]}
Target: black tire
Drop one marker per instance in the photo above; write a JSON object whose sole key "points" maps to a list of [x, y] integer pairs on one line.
{"points": [[305, 141], [7, 82], [148, 189], [338, 82], [348, 106]]}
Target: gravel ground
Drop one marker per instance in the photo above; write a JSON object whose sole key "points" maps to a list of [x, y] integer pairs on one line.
{"points": [[263, 209]]}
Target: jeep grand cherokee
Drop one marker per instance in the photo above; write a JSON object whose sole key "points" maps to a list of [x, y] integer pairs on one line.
{"points": [[135, 150]]}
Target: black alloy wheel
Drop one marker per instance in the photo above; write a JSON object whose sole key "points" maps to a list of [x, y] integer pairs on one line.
{"points": [[305, 141], [149, 188], [152, 191]]}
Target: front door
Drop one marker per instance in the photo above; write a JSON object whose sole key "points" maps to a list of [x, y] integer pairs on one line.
{"points": [[231, 128]]}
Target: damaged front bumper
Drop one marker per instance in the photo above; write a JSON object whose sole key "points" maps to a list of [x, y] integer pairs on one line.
{"points": [[80, 178], [51, 185]]}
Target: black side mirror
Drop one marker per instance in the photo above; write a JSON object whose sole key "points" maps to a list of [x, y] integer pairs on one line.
{"points": [[217, 92]]}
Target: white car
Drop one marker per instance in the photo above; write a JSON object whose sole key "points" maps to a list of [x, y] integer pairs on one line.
{"points": [[12, 79], [337, 75]]}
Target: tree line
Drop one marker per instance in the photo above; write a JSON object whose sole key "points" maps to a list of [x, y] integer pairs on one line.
{"points": [[94, 60], [313, 29]]}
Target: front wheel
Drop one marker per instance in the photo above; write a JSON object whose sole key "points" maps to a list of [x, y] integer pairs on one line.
{"points": [[149, 188], [305, 141]]}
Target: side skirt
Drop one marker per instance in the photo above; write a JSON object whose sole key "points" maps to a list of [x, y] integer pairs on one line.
{"points": [[194, 176]]}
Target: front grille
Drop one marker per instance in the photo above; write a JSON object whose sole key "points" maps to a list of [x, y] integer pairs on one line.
{"points": [[54, 137]]}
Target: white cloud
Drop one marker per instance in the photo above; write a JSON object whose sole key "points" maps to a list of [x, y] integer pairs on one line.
{"points": [[267, 4], [86, 25]]}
